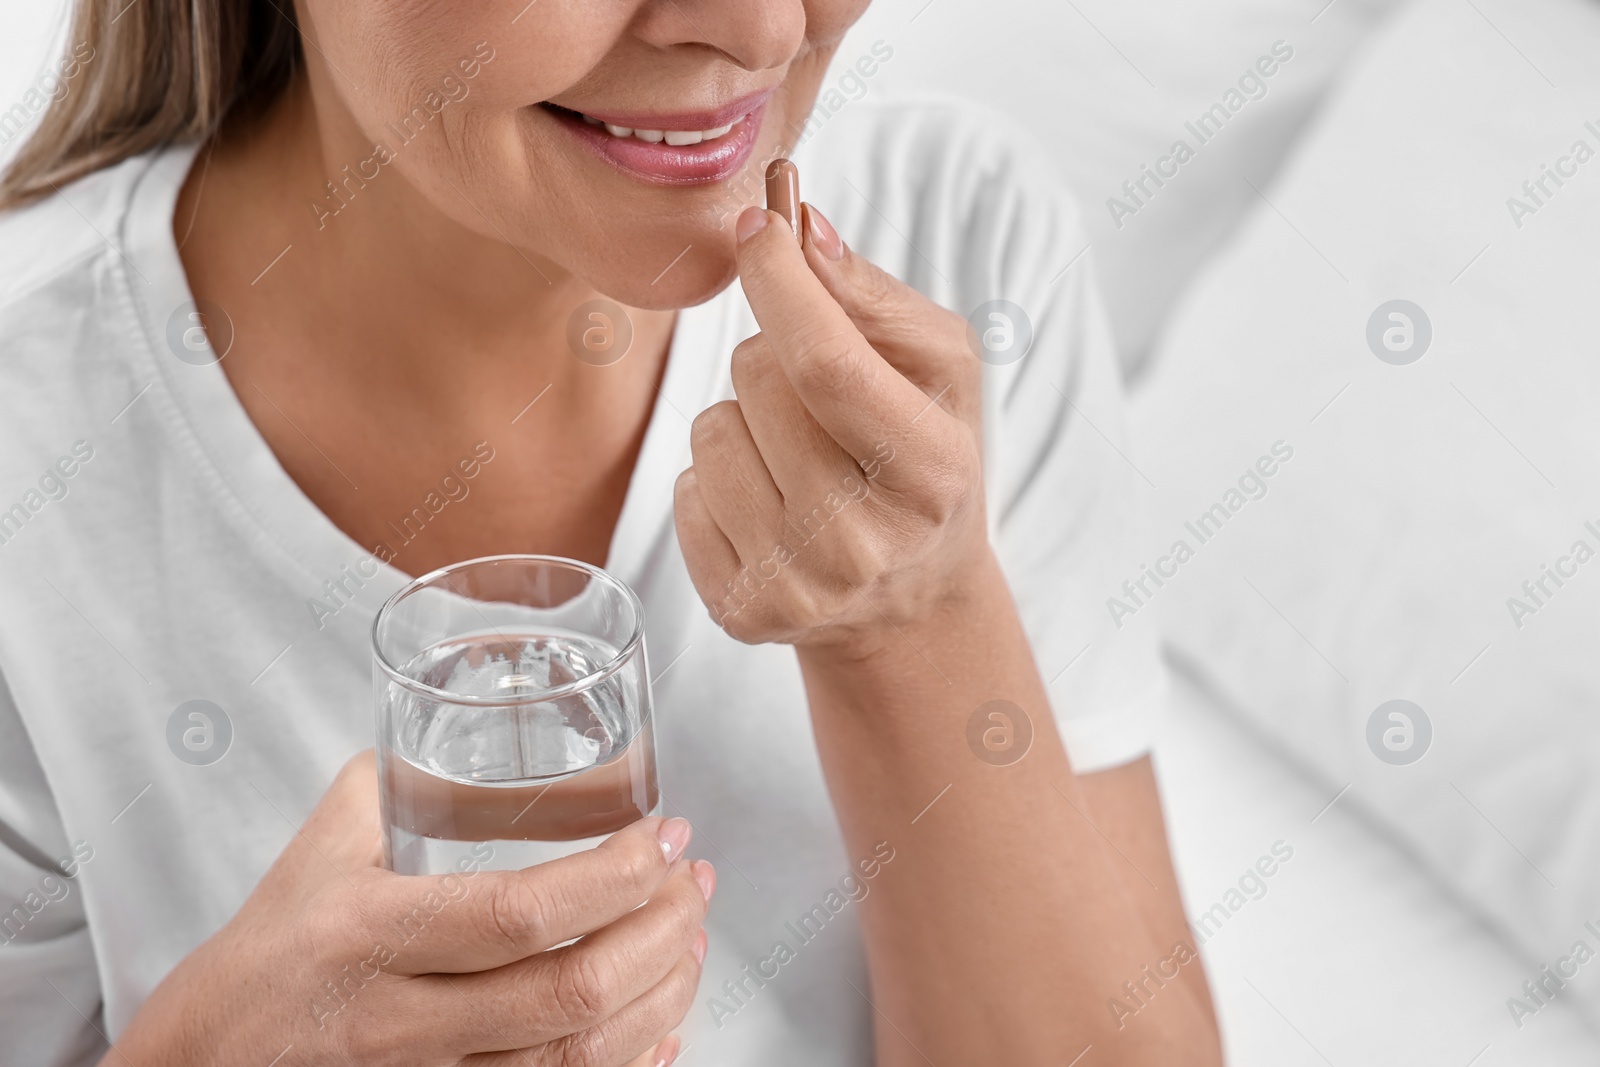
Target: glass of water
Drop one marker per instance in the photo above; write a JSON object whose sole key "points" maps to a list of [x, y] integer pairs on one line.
{"points": [[513, 714]]}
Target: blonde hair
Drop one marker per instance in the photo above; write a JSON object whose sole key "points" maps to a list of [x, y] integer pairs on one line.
{"points": [[139, 76]]}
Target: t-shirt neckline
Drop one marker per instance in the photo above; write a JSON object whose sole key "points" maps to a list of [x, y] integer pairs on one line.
{"points": [[220, 436]]}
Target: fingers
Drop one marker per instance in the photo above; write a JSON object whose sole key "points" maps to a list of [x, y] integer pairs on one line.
{"points": [[341, 839], [664, 1053], [642, 1028], [804, 460], [858, 398], [926, 343], [640, 1024], [713, 561], [581, 987], [734, 480], [344, 826], [488, 919]]}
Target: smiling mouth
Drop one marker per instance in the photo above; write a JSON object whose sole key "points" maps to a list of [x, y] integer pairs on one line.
{"points": [[676, 138], [671, 148]]}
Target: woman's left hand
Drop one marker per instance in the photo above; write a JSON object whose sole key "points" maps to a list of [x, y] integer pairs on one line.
{"points": [[841, 494]]}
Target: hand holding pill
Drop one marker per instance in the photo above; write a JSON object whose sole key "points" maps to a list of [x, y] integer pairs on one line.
{"points": [[841, 492]]}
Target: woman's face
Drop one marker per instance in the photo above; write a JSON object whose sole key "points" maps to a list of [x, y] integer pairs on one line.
{"points": [[504, 116]]}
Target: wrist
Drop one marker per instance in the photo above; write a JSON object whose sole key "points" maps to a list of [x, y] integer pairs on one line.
{"points": [[970, 600]]}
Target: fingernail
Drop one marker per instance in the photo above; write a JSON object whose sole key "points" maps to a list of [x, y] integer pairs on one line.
{"points": [[824, 238], [783, 192], [674, 834], [752, 220], [706, 876], [667, 1051], [700, 947]]}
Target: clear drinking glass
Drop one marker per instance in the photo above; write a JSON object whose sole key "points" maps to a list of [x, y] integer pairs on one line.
{"points": [[514, 717]]}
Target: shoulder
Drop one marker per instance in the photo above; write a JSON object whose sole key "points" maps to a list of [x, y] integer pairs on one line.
{"points": [[956, 199], [68, 322], [49, 243]]}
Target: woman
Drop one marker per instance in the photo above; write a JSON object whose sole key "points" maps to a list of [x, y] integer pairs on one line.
{"points": [[408, 229]]}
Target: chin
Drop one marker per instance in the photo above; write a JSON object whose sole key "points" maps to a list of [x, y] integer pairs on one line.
{"points": [[705, 270]]}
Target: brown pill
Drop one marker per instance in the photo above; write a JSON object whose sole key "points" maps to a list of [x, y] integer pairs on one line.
{"points": [[783, 192]]}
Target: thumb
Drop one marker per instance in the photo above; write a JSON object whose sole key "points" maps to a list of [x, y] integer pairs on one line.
{"points": [[923, 341], [344, 826], [340, 837], [855, 395]]}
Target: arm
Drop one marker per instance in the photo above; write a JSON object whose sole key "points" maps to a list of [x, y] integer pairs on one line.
{"points": [[1020, 899], [1017, 904]]}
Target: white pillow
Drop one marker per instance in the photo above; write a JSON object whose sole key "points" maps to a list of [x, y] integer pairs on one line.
{"points": [[1108, 86], [1384, 559]]}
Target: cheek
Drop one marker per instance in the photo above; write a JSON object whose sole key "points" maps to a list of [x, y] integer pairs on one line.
{"points": [[391, 55], [447, 86], [551, 48], [826, 24], [827, 20]]}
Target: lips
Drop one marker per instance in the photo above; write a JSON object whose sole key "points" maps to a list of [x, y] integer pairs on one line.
{"points": [[670, 148]]}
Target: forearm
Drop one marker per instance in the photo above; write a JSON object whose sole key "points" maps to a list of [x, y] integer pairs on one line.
{"points": [[1002, 928]]}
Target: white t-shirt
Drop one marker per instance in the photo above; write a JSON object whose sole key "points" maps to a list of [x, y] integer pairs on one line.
{"points": [[153, 552]]}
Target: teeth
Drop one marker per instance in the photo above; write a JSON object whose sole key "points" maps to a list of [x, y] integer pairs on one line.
{"points": [[672, 137]]}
